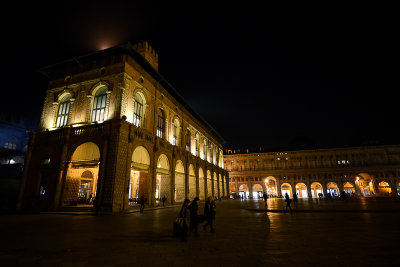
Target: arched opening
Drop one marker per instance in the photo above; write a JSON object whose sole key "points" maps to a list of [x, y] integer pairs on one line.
{"points": [[270, 185], [160, 123], [232, 190], [286, 189], [201, 184], [63, 111], [82, 175], [99, 104], [140, 176], [138, 112], [384, 189], [192, 182], [349, 188], [209, 184], [257, 191], [332, 189], [301, 190], [179, 182], [175, 132], [398, 188], [215, 178], [364, 185], [163, 183], [243, 191], [316, 190]]}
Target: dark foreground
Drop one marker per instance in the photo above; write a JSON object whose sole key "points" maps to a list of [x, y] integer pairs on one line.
{"points": [[320, 233]]}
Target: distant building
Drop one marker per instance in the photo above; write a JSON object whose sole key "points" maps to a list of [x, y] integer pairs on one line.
{"points": [[112, 128], [359, 171]]}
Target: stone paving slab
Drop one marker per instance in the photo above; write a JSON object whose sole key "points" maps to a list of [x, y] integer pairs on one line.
{"points": [[242, 238]]}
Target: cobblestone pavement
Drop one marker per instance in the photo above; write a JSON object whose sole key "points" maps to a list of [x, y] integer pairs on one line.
{"points": [[317, 233]]}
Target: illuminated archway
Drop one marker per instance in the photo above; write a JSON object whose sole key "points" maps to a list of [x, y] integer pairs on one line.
{"points": [[316, 190], [82, 174], [271, 186], [139, 183], [349, 188], [163, 182], [202, 184], [332, 189], [257, 191], [209, 184], [192, 182], [286, 188], [301, 190], [215, 181], [179, 181], [243, 191], [363, 184], [384, 189]]}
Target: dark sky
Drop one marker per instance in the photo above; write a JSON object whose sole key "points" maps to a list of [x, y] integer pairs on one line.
{"points": [[277, 76]]}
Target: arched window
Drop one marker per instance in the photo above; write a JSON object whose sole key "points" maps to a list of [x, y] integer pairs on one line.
{"points": [[99, 104], [160, 123], [63, 111], [196, 145], [138, 111], [188, 140], [175, 132]]}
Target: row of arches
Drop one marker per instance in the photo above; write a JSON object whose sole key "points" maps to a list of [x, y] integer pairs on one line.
{"points": [[360, 187], [173, 181]]}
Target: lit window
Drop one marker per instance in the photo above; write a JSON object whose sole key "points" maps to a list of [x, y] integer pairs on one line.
{"points": [[138, 111], [99, 105], [63, 111], [175, 132], [160, 124], [187, 140]]}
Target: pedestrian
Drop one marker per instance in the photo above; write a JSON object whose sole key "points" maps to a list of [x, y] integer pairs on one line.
{"points": [[265, 197], [163, 200], [194, 217], [288, 201], [182, 214], [209, 214], [295, 198], [142, 203], [90, 198]]}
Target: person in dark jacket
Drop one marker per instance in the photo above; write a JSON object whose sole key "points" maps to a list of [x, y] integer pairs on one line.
{"points": [[194, 217], [182, 214], [288, 201], [142, 203], [209, 214]]}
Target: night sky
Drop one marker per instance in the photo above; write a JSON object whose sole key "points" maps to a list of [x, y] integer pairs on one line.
{"points": [[279, 76]]}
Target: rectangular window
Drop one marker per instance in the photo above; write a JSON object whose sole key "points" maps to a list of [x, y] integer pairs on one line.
{"points": [[174, 135], [99, 107], [160, 126], [62, 116], [188, 141]]}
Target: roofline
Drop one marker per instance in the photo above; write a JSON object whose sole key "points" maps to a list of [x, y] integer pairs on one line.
{"points": [[129, 49]]}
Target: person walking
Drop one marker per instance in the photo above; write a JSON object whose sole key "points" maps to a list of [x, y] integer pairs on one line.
{"points": [[142, 203], [295, 198], [194, 217], [163, 200], [265, 197], [209, 214], [288, 201], [182, 214]]}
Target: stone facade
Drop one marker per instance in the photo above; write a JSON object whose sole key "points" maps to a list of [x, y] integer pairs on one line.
{"points": [[113, 115], [359, 171]]}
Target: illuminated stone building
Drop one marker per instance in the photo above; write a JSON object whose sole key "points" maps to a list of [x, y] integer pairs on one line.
{"points": [[112, 127], [358, 171]]}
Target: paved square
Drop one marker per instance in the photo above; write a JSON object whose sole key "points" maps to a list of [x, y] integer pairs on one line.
{"points": [[318, 232]]}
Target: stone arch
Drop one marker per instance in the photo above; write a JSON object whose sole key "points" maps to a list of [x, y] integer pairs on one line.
{"points": [[286, 188], [301, 190], [384, 188], [316, 190], [139, 106], [209, 184], [349, 188], [332, 189], [192, 182], [271, 186], [85, 158], [98, 86], [258, 191], [139, 183], [364, 184], [66, 92], [179, 181], [202, 184], [244, 191], [163, 178]]}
